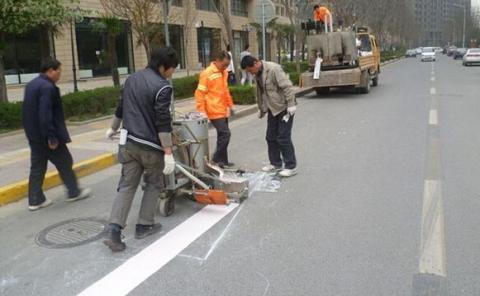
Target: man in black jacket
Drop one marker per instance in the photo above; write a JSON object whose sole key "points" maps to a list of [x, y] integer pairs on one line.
{"points": [[144, 109], [44, 124]]}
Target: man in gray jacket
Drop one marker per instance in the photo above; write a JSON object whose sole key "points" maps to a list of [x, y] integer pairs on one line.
{"points": [[275, 97], [144, 109]]}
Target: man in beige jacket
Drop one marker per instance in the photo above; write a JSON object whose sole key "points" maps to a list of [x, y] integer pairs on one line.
{"points": [[275, 97]]}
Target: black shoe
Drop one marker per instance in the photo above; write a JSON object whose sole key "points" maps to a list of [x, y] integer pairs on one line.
{"points": [[142, 231], [114, 241], [226, 166]]}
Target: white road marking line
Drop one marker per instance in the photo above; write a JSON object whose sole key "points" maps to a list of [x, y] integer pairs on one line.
{"points": [[137, 269], [433, 118], [433, 91], [432, 249], [433, 79]]}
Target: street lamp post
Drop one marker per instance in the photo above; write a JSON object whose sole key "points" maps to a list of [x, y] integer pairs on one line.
{"points": [[464, 6], [74, 66], [201, 26]]}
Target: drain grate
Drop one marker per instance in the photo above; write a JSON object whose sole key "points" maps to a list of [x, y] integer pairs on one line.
{"points": [[72, 233]]}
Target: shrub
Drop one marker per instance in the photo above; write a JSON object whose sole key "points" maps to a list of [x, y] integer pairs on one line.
{"points": [[243, 94], [91, 102], [291, 67], [10, 116], [295, 78], [185, 87]]}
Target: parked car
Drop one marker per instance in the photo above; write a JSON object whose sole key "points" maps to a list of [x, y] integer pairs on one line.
{"points": [[428, 54], [418, 50], [472, 57], [451, 50], [411, 53], [459, 53], [438, 50]]}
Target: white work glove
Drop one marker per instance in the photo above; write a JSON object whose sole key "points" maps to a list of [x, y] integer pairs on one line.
{"points": [[169, 164], [292, 110], [110, 133]]}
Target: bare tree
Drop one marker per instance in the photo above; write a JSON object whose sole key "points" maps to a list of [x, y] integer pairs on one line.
{"points": [[190, 16]]}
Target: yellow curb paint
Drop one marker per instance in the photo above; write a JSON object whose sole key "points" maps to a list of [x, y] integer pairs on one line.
{"points": [[16, 191]]}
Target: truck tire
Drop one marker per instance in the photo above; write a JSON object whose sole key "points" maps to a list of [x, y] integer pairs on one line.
{"points": [[365, 88], [322, 90], [375, 80]]}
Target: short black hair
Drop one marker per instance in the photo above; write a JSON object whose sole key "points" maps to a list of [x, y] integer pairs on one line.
{"points": [[221, 55], [247, 46], [49, 63], [316, 6], [229, 48], [248, 62], [166, 57]]}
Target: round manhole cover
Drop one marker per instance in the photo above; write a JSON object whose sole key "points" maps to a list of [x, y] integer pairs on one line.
{"points": [[72, 233]]}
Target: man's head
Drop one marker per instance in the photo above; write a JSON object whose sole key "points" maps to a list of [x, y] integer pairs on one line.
{"points": [[222, 60], [51, 68], [316, 7], [164, 61], [251, 65]]}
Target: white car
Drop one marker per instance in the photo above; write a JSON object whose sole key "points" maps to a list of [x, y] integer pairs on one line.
{"points": [[472, 57], [428, 54]]}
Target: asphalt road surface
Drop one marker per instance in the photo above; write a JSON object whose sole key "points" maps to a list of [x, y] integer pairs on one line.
{"points": [[386, 202]]}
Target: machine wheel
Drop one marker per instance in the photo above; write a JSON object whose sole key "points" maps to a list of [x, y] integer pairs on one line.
{"points": [[375, 80], [365, 89], [166, 204], [322, 90]]}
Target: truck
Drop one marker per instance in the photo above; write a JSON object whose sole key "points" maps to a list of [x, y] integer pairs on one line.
{"points": [[341, 59]]}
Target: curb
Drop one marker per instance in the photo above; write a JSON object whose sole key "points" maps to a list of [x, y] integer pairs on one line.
{"points": [[17, 191]]}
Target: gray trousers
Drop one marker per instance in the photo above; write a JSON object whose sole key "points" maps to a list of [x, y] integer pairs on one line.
{"points": [[138, 161]]}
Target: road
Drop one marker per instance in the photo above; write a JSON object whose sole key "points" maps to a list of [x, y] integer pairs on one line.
{"points": [[386, 202]]}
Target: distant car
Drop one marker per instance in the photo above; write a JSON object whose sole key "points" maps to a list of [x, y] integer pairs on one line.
{"points": [[418, 50], [459, 53], [428, 54], [411, 53], [438, 50], [472, 57], [451, 50]]}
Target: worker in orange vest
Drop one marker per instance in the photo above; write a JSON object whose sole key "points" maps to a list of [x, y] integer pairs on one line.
{"points": [[214, 101], [320, 14]]}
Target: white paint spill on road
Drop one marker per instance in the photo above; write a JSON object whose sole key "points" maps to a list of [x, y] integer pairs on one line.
{"points": [[432, 249], [433, 91], [433, 118], [140, 267]]}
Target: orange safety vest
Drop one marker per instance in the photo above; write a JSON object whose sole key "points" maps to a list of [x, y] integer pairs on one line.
{"points": [[213, 95], [320, 14]]}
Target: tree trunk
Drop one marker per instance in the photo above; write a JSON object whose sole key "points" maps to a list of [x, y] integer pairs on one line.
{"points": [[185, 45], [113, 59], [3, 83], [292, 45]]}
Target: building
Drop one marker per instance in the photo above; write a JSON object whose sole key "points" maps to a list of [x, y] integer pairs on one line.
{"points": [[82, 44]]}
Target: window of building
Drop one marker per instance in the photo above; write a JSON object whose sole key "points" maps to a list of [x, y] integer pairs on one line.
{"points": [[208, 43], [208, 5], [240, 39], [92, 50], [176, 40], [24, 53], [239, 8], [178, 3]]}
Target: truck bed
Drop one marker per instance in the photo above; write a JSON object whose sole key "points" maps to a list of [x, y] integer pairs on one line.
{"points": [[332, 78]]}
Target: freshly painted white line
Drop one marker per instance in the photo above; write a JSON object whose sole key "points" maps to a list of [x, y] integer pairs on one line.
{"points": [[433, 91], [433, 79], [432, 249], [137, 269], [433, 118]]}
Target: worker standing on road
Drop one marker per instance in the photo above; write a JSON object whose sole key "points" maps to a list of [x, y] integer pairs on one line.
{"points": [[275, 97], [213, 99], [145, 144], [47, 134]]}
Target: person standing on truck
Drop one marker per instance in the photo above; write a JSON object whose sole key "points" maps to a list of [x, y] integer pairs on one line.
{"points": [[275, 97], [145, 144], [214, 101], [321, 14]]}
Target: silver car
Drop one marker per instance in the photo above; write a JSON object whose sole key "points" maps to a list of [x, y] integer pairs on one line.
{"points": [[472, 57], [428, 54]]}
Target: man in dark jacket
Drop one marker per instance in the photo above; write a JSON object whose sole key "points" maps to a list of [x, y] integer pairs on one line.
{"points": [[44, 124], [145, 144]]}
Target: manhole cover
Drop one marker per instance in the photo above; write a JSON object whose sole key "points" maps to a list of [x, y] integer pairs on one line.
{"points": [[72, 233]]}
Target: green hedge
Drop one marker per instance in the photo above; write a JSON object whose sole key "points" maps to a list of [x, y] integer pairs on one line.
{"points": [[243, 94], [295, 78], [94, 102], [185, 87], [388, 55], [291, 67], [10, 116]]}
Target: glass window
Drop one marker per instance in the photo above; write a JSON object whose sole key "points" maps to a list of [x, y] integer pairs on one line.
{"points": [[176, 40], [178, 3], [239, 8], [92, 50], [209, 42], [208, 5], [240, 39]]}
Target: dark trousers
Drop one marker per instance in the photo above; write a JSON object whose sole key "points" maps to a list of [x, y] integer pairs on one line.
{"points": [[63, 161], [223, 139], [279, 139]]}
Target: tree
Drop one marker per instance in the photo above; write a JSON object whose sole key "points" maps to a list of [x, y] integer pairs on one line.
{"points": [[21, 16], [190, 15], [111, 26]]}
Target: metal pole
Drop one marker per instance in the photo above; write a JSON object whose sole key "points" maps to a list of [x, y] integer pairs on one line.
{"points": [[202, 39], [264, 42], [464, 21], [74, 66], [165, 22]]}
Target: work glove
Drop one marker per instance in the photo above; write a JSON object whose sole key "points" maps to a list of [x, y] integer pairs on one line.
{"points": [[291, 110], [261, 114], [169, 164], [110, 133]]}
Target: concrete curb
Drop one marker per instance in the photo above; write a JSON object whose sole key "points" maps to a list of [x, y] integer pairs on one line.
{"points": [[17, 191]]}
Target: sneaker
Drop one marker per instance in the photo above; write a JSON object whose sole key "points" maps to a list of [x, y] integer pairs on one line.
{"points": [[45, 204], [85, 193], [114, 240], [142, 231], [288, 173], [271, 168]]}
